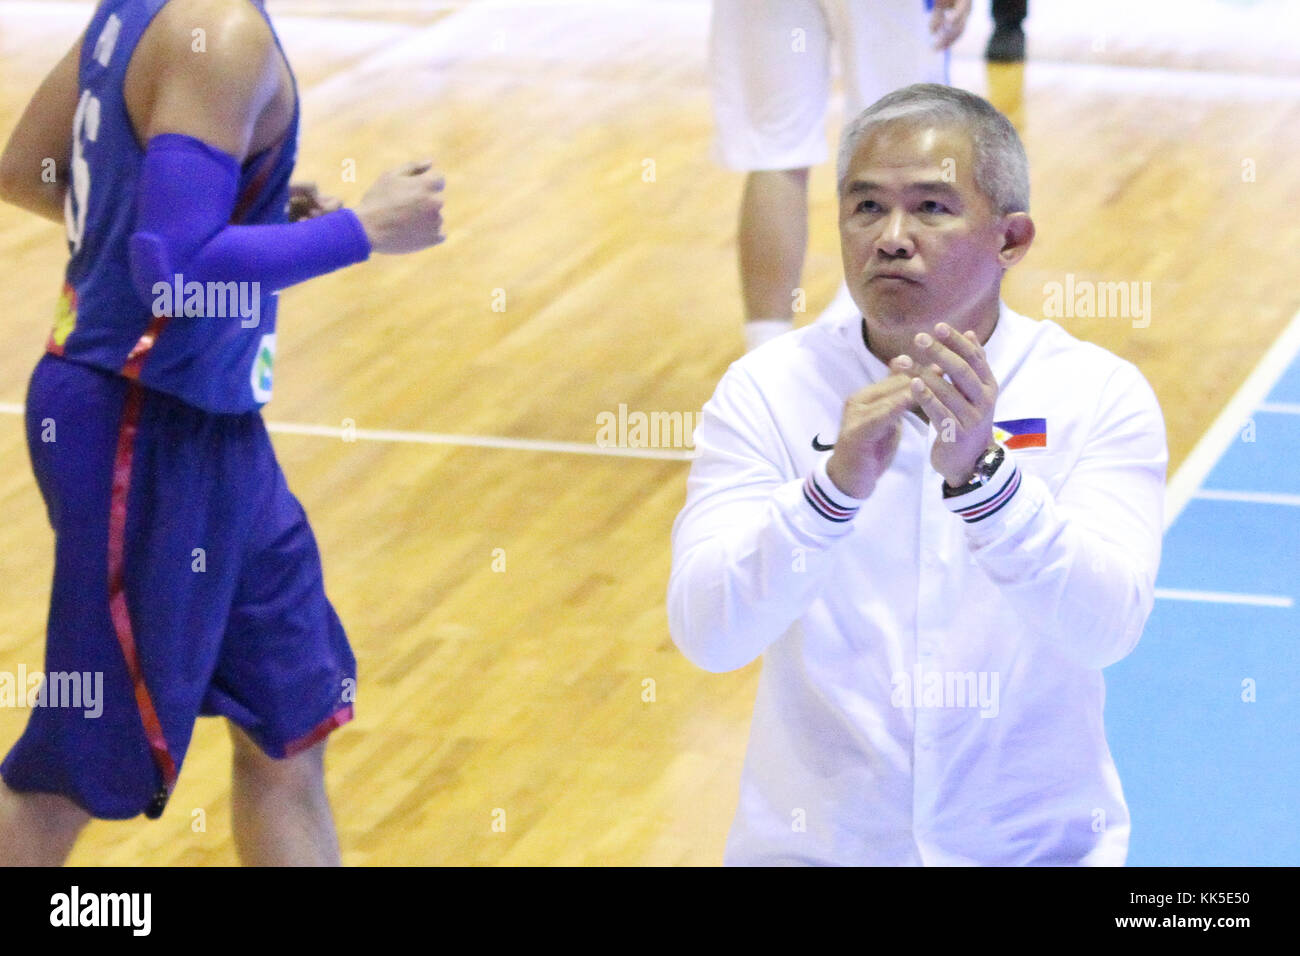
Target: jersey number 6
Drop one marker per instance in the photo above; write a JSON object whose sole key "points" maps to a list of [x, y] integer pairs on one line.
{"points": [[84, 122]]}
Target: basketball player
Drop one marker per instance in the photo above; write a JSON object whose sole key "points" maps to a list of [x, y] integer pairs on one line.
{"points": [[185, 570], [770, 66]]}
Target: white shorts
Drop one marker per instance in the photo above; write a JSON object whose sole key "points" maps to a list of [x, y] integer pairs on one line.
{"points": [[770, 62]]}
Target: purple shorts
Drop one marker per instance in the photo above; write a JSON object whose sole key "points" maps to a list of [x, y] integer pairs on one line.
{"points": [[186, 579]]}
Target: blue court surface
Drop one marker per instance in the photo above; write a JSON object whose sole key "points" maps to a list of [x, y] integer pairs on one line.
{"points": [[1203, 718]]}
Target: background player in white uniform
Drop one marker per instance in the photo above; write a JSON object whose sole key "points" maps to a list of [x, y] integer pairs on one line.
{"points": [[771, 74]]}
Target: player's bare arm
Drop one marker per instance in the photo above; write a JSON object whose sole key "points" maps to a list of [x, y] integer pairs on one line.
{"points": [[236, 96], [34, 166], [210, 69]]}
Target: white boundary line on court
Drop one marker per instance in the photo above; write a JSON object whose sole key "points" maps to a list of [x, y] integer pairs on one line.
{"points": [[1227, 426], [1280, 408], [1249, 497], [468, 441], [482, 441], [1223, 597], [1185, 484]]}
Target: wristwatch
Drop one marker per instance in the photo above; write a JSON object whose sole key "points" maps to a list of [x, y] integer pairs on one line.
{"points": [[985, 469]]}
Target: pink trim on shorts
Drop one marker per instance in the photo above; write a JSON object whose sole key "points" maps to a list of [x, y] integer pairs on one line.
{"points": [[319, 732]]}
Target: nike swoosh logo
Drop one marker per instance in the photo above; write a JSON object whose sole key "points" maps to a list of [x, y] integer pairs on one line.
{"points": [[818, 446]]}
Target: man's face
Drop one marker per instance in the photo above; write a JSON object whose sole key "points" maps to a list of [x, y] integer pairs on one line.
{"points": [[920, 242]]}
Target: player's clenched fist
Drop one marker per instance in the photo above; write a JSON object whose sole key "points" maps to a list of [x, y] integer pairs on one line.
{"points": [[869, 434], [402, 211]]}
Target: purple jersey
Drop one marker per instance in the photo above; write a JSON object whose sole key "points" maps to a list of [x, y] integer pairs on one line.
{"points": [[220, 365]]}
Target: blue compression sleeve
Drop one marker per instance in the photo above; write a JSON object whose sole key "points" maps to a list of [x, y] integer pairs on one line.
{"points": [[186, 193]]}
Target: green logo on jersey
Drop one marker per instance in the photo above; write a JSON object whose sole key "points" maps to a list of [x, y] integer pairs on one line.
{"points": [[262, 369]]}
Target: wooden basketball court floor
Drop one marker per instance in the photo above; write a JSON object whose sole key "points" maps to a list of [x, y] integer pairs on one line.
{"points": [[520, 699]]}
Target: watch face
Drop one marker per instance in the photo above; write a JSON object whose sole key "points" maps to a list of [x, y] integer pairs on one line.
{"points": [[988, 465], [985, 468]]}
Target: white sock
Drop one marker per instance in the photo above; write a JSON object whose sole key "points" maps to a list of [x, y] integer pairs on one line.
{"points": [[758, 331]]}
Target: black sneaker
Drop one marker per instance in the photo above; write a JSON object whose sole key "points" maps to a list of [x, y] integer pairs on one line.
{"points": [[1007, 45]]}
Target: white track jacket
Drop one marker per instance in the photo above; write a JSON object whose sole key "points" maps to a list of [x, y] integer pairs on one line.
{"points": [[932, 689]]}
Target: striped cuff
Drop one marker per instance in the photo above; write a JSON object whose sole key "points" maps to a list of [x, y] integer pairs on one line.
{"points": [[827, 500], [990, 498]]}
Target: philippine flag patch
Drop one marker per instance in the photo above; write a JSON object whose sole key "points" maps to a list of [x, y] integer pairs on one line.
{"points": [[1021, 433]]}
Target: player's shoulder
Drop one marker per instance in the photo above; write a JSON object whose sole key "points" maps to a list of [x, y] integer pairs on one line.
{"points": [[220, 33], [234, 15], [216, 60]]}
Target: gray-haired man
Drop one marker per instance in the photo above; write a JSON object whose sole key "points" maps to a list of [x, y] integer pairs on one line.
{"points": [[937, 521]]}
